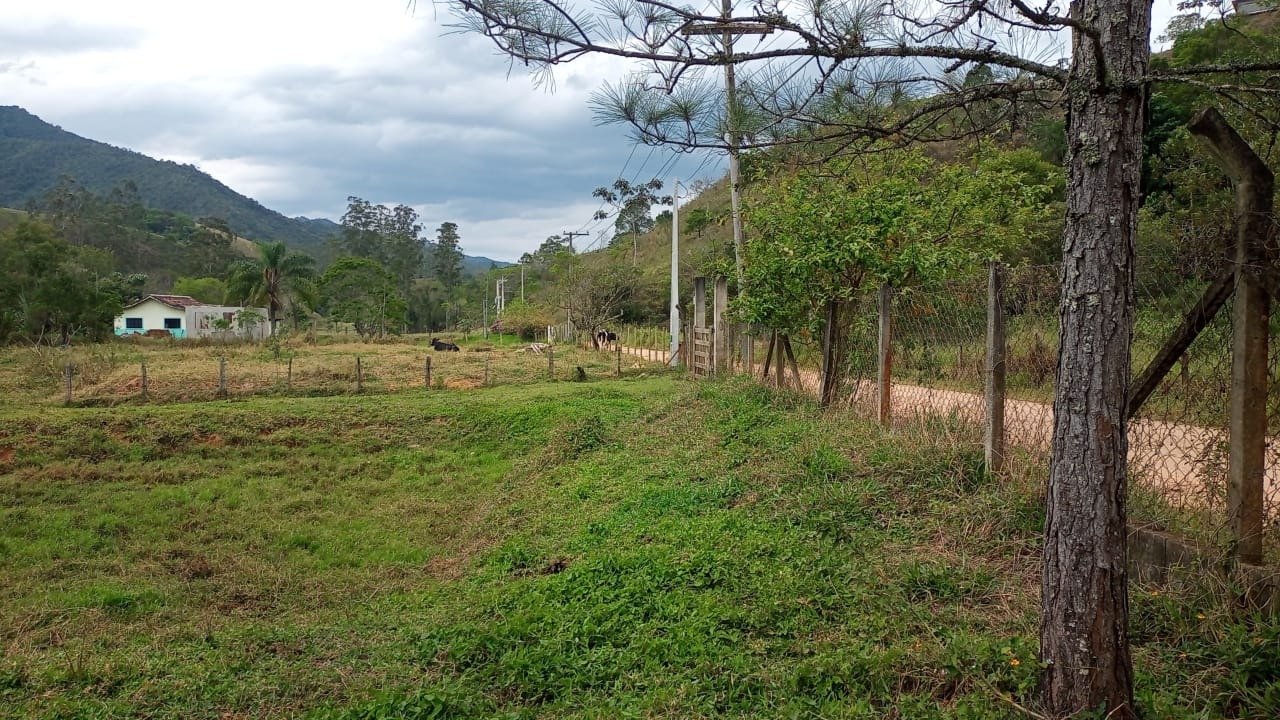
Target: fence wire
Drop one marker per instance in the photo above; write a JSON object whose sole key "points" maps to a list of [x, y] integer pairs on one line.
{"points": [[1178, 441]]}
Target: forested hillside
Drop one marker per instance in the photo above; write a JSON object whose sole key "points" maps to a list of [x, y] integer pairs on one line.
{"points": [[38, 154]]}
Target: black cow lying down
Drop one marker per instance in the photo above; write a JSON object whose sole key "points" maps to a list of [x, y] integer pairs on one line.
{"points": [[605, 338], [440, 345]]}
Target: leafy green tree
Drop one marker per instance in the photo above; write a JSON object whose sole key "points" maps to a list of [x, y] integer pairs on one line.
{"points": [[821, 235], [391, 236], [446, 257], [633, 204], [277, 277], [546, 253], [697, 220], [592, 297], [205, 289], [362, 292], [50, 292]]}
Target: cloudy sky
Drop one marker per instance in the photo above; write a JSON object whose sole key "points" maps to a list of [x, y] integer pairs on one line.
{"points": [[301, 103]]}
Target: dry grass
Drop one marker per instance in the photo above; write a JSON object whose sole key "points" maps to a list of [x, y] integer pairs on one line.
{"points": [[185, 371]]}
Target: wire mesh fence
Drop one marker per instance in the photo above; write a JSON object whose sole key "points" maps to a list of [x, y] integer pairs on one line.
{"points": [[164, 371], [1178, 440]]}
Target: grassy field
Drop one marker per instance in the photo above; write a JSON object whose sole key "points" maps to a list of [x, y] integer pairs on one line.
{"points": [[193, 370], [645, 547]]}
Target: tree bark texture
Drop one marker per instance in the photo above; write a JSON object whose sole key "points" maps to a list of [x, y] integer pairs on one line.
{"points": [[1084, 603], [830, 353]]}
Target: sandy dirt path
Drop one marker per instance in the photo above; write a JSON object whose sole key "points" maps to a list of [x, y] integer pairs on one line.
{"points": [[1185, 461]]}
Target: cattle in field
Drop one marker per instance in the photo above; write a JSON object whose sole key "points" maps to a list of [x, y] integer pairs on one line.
{"points": [[441, 346], [605, 338]]}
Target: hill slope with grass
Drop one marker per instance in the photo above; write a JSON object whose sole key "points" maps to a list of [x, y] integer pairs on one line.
{"points": [[648, 547]]}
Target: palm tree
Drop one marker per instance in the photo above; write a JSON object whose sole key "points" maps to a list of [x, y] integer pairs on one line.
{"points": [[275, 274]]}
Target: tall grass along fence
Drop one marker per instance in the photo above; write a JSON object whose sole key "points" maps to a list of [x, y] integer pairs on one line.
{"points": [[919, 355], [176, 371]]}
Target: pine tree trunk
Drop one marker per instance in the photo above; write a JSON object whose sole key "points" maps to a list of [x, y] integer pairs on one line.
{"points": [[1084, 604]]}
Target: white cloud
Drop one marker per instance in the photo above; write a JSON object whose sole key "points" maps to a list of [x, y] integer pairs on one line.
{"points": [[301, 103]]}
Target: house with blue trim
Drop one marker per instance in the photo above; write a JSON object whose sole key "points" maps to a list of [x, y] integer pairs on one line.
{"points": [[182, 316]]}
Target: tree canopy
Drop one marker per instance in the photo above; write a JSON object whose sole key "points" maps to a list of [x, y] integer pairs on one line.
{"points": [[363, 292]]}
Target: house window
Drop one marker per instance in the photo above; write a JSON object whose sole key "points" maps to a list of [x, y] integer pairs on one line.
{"points": [[173, 323], [133, 323]]}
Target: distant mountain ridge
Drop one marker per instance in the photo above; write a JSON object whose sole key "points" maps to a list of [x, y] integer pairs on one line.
{"points": [[37, 154]]}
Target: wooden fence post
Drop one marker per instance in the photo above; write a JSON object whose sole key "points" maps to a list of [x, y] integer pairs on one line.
{"points": [[222, 376], [884, 363], [144, 380], [359, 375], [288, 378], [830, 354], [551, 363], [426, 373], [486, 370], [67, 372], [994, 447], [618, 349], [780, 370]]}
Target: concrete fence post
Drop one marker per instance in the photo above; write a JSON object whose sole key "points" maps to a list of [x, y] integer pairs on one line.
{"points": [[720, 326], [1254, 186]]}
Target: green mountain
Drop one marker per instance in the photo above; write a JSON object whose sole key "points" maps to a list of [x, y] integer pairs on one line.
{"points": [[37, 154]]}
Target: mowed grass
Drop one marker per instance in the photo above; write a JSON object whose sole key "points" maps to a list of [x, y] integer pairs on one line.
{"points": [[647, 547]]}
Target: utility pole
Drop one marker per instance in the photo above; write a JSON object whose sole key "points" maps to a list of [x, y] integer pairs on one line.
{"points": [[727, 29], [675, 274], [500, 295], [568, 235]]}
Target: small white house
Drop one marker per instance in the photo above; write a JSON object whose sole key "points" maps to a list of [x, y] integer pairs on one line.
{"points": [[182, 316]]}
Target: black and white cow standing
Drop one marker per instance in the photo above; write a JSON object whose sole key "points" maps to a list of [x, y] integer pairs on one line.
{"points": [[605, 338]]}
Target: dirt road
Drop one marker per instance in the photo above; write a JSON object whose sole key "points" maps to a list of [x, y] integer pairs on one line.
{"points": [[1186, 462]]}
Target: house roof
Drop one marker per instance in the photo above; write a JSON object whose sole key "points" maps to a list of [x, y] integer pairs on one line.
{"points": [[174, 301]]}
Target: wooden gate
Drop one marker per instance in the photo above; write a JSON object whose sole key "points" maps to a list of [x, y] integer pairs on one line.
{"points": [[702, 360]]}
